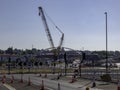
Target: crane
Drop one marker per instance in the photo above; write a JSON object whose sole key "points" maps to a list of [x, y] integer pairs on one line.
{"points": [[56, 50], [46, 27]]}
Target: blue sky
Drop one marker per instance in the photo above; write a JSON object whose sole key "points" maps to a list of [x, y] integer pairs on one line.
{"points": [[82, 21]]}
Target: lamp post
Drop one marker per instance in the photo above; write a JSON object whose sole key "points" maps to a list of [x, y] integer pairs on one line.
{"points": [[83, 58], [9, 62], [106, 43], [65, 59]]}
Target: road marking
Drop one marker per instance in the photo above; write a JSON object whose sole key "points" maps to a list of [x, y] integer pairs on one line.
{"points": [[9, 87]]}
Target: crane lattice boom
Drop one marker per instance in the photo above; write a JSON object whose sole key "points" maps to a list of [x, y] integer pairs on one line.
{"points": [[46, 27], [55, 50]]}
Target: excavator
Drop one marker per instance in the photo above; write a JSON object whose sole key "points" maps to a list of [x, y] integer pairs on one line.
{"points": [[55, 50]]}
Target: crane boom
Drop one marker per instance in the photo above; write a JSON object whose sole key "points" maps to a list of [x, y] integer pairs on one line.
{"points": [[55, 50], [61, 40], [46, 27]]}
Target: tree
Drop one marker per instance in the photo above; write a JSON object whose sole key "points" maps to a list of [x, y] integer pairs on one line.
{"points": [[1, 51], [9, 50]]}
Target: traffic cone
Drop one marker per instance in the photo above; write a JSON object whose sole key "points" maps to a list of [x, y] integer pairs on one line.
{"points": [[45, 75], [3, 80], [118, 85], [4, 76], [60, 74], [59, 86], [29, 82], [72, 80], [42, 86], [21, 80], [87, 88], [12, 79]]}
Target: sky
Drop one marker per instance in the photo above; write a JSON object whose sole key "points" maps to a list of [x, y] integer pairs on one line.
{"points": [[81, 21]]}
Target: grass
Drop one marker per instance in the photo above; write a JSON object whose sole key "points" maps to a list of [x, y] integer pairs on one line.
{"points": [[38, 70]]}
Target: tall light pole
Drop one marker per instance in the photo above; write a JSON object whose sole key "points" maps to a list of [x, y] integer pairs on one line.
{"points": [[106, 43]]}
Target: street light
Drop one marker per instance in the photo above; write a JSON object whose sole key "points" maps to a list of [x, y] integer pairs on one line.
{"points": [[106, 44], [106, 77], [65, 59], [83, 58], [9, 62]]}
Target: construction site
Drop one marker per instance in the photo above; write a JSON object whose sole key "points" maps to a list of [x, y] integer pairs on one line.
{"points": [[59, 67]]}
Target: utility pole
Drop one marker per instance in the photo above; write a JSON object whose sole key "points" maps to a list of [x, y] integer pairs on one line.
{"points": [[9, 62], [107, 76], [65, 59], [106, 43]]}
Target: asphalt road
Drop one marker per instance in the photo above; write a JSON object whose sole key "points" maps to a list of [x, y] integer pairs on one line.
{"points": [[51, 84], [2, 87]]}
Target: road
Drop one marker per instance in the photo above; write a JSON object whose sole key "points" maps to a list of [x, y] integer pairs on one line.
{"points": [[2, 87], [51, 84]]}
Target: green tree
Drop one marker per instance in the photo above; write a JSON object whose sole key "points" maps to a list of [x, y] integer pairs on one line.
{"points": [[9, 50]]}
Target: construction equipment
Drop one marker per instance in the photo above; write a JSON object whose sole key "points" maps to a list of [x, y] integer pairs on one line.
{"points": [[55, 50], [41, 13]]}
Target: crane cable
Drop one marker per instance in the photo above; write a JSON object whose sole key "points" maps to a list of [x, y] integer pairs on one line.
{"points": [[53, 22]]}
